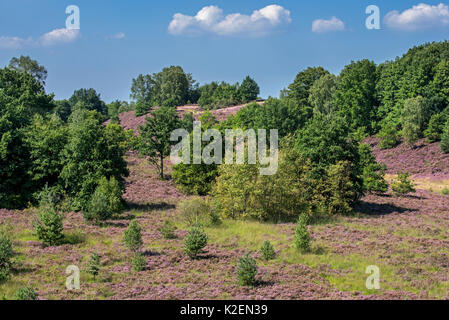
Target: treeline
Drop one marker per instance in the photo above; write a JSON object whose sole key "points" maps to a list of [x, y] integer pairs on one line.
{"points": [[173, 87], [61, 147]]}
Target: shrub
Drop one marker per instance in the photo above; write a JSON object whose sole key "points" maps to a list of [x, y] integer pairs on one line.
{"points": [[139, 262], [106, 200], [195, 212], [246, 270], [26, 293], [132, 237], [445, 192], [445, 139], [167, 230], [6, 253], [195, 242], [302, 237], [435, 127], [389, 136], [267, 251], [403, 185], [93, 267], [49, 225]]}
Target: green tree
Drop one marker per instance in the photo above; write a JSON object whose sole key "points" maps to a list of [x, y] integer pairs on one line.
{"points": [[62, 109], [93, 267], [403, 184], [248, 90], [355, 96], [93, 151], [132, 237], [139, 263], [445, 138], [46, 139], [436, 125], [373, 172], [299, 90], [49, 224], [267, 251], [413, 119], [195, 242], [302, 237], [246, 271], [26, 64], [321, 94], [142, 93], [88, 99], [20, 97], [154, 140]]}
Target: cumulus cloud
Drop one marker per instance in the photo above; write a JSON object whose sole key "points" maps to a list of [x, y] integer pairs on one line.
{"points": [[421, 16], [212, 20], [51, 38], [59, 36], [323, 26]]}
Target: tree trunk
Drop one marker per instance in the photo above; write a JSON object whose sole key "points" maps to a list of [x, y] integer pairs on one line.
{"points": [[162, 167]]}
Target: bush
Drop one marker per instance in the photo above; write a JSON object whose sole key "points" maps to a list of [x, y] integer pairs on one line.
{"points": [[106, 200], [26, 293], [445, 192], [132, 237], [302, 237], [195, 242], [445, 139], [195, 212], [435, 127], [267, 251], [139, 262], [93, 267], [389, 137], [246, 270], [49, 225], [6, 253], [167, 230], [403, 185]]}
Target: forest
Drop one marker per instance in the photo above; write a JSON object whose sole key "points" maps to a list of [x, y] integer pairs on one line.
{"points": [[76, 183]]}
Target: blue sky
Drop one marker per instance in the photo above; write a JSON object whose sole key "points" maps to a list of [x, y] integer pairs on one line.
{"points": [[120, 39]]}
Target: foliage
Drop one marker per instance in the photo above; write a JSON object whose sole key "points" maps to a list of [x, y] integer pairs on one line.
{"points": [[355, 95], [389, 136], [299, 90], [26, 64], [168, 230], [246, 270], [248, 90], [302, 237], [171, 87], [106, 200], [154, 140], [403, 184], [49, 226], [132, 237], [88, 99], [93, 151], [413, 119], [267, 251], [62, 109], [139, 262], [6, 253], [45, 138], [195, 212], [373, 175], [26, 293], [20, 97], [436, 125], [321, 94], [445, 138], [195, 242], [93, 267]]}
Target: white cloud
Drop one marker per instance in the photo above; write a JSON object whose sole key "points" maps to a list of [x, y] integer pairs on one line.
{"points": [[322, 26], [51, 38], [14, 42], [421, 16], [59, 36], [117, 36], [211, 20]]}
